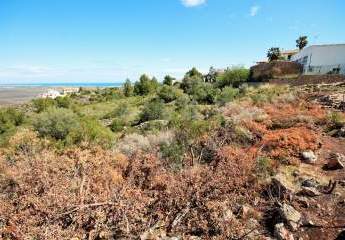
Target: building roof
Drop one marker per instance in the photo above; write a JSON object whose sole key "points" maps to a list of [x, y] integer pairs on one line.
{"points": [[291, 51], [325, 45]]}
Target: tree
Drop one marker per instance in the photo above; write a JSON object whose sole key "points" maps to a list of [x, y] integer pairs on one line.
{"points": [[233, 77], [127, 88], [145, 85], [169, 93], [193, 73], [273, 54], [168, 80], [301, 42], [211, 76]]}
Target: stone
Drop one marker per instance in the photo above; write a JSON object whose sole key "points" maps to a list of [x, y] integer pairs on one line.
{"points": [[309, 157], [307, 222], [309, 191], [336, 161], [228, 215], [310, 183], [303, 201], [281, 233], [281, 185], [291, 216]]}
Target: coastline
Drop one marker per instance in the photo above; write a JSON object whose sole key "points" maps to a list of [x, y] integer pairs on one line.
{"points": [[14, 94]]}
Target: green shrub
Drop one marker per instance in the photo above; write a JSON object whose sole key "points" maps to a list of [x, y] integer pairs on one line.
{"points": [[228, 94], [153, 110], [9, 119], [57, 123], [337, 120], [264, 167], [92, 131], [127, 88], [168, 80], [169, 93], [266, 94], [233, 77], [182, 101], [145, 85], [117, 125], [205, 93], [12, 116], [120, 111], [63, 102], [42, 104], [199, 90], [173, 154]]}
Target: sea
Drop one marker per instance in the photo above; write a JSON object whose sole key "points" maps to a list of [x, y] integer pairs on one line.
{"points": [[69, 84]]}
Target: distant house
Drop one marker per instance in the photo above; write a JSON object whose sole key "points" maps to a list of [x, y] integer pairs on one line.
{"points": [[287, 54], [322, 59], [67, 91], [51, 93], [284, 55]]}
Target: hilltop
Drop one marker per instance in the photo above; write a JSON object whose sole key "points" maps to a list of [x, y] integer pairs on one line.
{"points": [[184, 160]]}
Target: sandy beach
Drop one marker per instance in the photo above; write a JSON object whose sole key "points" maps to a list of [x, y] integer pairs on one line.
{"points": [[19, 95]]}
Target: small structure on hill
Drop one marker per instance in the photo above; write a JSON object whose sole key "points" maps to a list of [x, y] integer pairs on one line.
{"points": [[322, 59], [287, 54], [51, 93]]}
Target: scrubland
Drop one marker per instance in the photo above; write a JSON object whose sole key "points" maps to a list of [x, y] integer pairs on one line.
{"points": [[191, 160]]}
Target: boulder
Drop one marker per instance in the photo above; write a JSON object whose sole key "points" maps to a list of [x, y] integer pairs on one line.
{"points": [[281, 233], [310, 182], [291, 216], [309, 191], [336, 161], [281, 185], [309, 157]]}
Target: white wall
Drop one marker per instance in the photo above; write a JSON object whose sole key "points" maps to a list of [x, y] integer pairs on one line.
{"points": [[322, 58]]}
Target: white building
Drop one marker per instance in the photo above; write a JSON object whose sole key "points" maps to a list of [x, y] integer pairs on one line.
{"points": [[322, 59], [51, 93]]}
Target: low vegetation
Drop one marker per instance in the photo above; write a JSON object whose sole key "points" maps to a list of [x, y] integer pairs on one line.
{"points": [[170, 159]]}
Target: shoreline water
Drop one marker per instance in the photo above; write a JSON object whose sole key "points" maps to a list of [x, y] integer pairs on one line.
{"points": [[14, 94], [15, 85]]}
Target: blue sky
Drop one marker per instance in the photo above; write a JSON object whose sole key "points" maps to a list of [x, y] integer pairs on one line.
{"points": [[110, 40]]}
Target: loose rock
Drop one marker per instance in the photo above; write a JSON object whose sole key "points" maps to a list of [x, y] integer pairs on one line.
{"points": [[280, 185], [336, 161], [291, 216], [309, 157], [310, 183], [281, 233], [309, 191]]}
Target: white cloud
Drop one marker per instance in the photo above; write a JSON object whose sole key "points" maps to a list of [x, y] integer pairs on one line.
{"points": [[254, 10], [192, 3]]}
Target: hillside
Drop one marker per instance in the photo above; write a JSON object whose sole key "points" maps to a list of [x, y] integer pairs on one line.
{"points": [[186, 161]]}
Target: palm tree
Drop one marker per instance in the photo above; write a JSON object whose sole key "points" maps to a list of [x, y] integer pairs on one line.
{"points": [[301, 42], [273, 54]]}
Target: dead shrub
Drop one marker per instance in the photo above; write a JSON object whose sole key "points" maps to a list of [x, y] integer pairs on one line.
{"points": [[287, 144]]}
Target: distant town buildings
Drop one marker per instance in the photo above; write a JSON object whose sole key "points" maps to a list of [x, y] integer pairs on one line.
{"points": [[287, 54], [316, 59], [322, 59], [52, 93]]}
